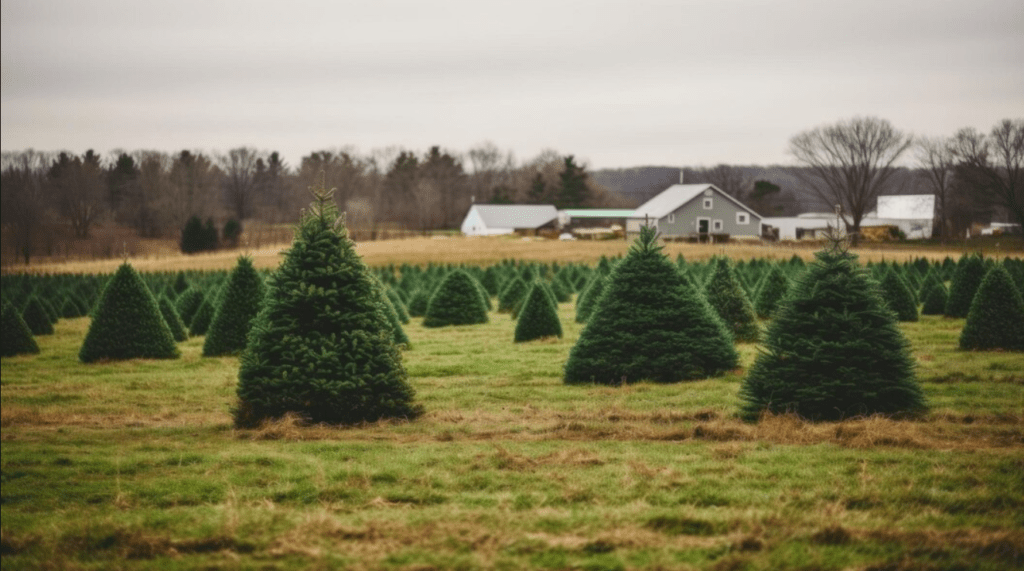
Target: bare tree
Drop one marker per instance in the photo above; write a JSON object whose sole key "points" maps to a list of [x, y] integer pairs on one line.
{"points": [[149, 198], [23, 204], [728, 178], [240, 181], [492, 174], [993, 166], [77, 186], [936, 162], [850, 163], [194, 181]]}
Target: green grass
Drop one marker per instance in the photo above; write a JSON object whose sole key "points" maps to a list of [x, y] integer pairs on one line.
{"points": [[136, 465]]}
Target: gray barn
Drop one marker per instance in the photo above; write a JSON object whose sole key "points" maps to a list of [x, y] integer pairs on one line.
{"points": [[695, 210]]}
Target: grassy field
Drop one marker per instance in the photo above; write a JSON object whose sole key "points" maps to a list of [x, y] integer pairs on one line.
{"points": [[136, 465]]}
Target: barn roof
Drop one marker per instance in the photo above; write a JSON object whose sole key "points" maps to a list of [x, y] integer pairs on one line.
{"points": [[677, 195], [526, 216]]}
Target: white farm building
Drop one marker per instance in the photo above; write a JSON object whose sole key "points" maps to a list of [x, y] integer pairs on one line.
{"points": [[498, 219]]}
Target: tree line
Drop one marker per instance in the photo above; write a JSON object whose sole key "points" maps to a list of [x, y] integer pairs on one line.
{"points": [[157, 194]]}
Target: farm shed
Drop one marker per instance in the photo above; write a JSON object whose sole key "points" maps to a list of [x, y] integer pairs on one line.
{"points": [[498, 219], [694, 210]]}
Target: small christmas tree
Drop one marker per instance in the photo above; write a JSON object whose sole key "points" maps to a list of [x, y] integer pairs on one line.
{"points": [[996, 318], [539, 316], [17, 338], [514, 293], [203, 317], [774, 287], [240, 301], [650, 325], [321, 347], [128, 323], [935, 300], [170, 315], [587, 300], [188, 303], [727, 297], [966, 279], [457, 301], [897, 296], [833, 350], [36, 317]]}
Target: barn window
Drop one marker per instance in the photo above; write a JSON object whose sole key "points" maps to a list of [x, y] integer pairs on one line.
{"points": [[708, 205], [672, 218], [742, 218], [717, 225]]}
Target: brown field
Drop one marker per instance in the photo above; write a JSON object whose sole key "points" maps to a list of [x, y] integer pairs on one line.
{"points": [[479, 250]]}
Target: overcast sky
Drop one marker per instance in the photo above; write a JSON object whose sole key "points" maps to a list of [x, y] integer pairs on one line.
{"points": [[616, 83]]}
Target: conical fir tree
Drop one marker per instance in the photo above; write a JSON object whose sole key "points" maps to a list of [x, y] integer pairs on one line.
{"points": [[996, 318], [457, 301], [539, 316], [587, 300], [127, 323], [773, 288], [833, 350], [188, 303], [321, 346], [240, 301], [970, 270], [514, 293], [727, 296], [17, 338], [178, 331], [898, 297], [650, 324], [36, 317]]}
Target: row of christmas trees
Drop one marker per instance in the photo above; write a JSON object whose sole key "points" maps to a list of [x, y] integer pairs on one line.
{"points": [[326, 342]]}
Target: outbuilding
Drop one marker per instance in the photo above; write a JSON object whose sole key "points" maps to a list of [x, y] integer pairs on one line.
{"points": [[498, 219], [696, 211]]}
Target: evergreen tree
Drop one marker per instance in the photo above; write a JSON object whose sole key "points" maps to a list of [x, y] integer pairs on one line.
{"points": [[240, 301], [17, 338], [170, 315], [966, 279], [203, 316], [587, 300], [188, 303], [180, 284], [457, 301], [193, 238], [538, 318], [397, 304], [727, 297], [996, 318], [650, 325], [419, 302], [321, 346], [36, 317], [833, 350], [935, 300], [128, 323], [398, 334], [774, 287], [898, 297], [514, 293]]}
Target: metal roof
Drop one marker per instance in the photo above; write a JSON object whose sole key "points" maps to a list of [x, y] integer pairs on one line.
{"points": [[670, 199], [907, 206], [525, 216], [597, 213]]}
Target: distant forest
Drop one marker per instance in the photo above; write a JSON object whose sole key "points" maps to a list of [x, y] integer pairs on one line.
{"points": [[52, 201]]}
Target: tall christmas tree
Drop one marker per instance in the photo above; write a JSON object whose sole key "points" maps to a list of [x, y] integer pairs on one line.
{"points": [[239, 303], [650, 324], [834, 349], [321, 346]]}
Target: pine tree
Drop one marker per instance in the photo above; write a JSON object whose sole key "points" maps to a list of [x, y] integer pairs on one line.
{"points": [[774, 287], [996, 318], [539, 317], [188, 303], [240, 301], [457, 301], [727, 297], [587, 300], [170, 315], [833, 350], [128, 323], [36, 317], [17, 338], [966, 278], [935, 300], [419, 302], [397, 303], [203, 317], [650, 325], [321, 346], [513, 294], [897, 296]]}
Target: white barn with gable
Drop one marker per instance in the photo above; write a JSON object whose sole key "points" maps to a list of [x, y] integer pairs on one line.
{"points": [[499, 219]]}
